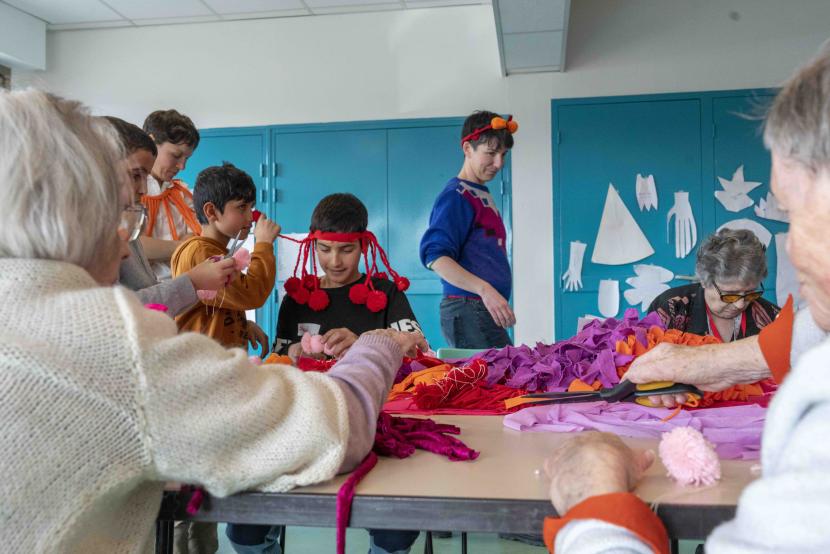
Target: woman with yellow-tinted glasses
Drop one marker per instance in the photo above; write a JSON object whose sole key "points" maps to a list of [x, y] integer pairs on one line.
{"points": [[727, 301]]}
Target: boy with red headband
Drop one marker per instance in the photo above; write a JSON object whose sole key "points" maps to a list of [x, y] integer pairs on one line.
{"points": [[465, 243], [170, 215], [340, 305]]}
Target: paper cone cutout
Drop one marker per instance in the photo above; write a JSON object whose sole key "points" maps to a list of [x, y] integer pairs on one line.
{"points": [[619, 239]]}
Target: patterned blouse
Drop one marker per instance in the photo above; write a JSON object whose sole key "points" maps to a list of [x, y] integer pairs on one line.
{"points": [[684, 308]]}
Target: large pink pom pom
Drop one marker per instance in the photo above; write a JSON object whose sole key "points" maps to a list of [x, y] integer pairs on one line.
{"points": [[689, 458], [316, 344], [205, 295], [241, 259], [305, 342]]}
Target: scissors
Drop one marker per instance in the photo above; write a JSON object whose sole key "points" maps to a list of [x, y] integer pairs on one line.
{"points": [[235, 245], [626, 391]]}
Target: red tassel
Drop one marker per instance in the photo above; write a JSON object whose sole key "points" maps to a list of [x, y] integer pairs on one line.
{"points": [[310, 282], [359, 293], [402, 283], [301, 295], [318, 300], [376, 301], [382, 275], [292, 285]]}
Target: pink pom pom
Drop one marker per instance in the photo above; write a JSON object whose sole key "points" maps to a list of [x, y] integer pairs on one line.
{"points": [[205, 295], [241, 259], [256, 360], [689, 458], [317, 344], [305, 342]]}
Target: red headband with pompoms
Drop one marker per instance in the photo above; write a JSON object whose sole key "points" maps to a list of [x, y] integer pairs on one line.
{"points": [[304, 288], [496, 124]]}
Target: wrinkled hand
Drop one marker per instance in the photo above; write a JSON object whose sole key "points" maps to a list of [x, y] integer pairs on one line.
{"points": [[679, 364], [590, 464], [409, 342], [257, 336], [338, 341], [498, 307], [212, 275], [266, 230]]}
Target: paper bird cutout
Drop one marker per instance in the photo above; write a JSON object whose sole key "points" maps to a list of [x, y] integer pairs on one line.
{"points": [[735, 193], [769, 209], [650, 282]]}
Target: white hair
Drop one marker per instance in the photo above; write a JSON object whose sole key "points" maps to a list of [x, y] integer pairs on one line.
{"points": [[60, 182], [798, 122]]}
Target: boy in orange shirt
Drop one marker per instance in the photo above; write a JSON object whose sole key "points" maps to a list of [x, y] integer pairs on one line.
{"points": [[223, 199]]}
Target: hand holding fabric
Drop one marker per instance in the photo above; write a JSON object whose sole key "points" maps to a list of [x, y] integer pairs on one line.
{"points": [[336, 342], [573, 276], [591, 464], [685, 229], [410, 343]]}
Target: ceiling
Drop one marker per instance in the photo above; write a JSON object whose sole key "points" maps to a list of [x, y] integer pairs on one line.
{"points": [[532, 34], [86, 14]]}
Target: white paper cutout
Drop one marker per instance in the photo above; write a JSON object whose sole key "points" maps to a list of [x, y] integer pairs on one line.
{"points": [[287, 252], [581, 322], [573, 276], [734, 195], [650, 282], [646, 192], [608, 298], [685, 229], [619, 239], [760, 231], [769, 209], [786, 278]]}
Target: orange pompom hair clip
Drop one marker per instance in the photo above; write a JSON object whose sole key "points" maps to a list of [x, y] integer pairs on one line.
{"points": [[496, 124]]}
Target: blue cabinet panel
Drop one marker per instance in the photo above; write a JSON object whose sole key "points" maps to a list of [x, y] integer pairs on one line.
{"points": [[606, 143], [686, 141]]}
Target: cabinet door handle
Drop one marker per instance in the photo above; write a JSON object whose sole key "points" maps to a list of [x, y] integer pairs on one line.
{"points": [[263, 196], [276, 195]]}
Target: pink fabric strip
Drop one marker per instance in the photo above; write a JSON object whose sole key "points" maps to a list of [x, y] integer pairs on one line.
{"points": [[345, 496]]}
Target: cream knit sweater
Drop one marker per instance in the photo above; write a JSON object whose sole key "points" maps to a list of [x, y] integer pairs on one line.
{"points": [[101, 402]]}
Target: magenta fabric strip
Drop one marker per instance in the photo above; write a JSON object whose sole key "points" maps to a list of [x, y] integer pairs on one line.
{"points": [[735, 430]]}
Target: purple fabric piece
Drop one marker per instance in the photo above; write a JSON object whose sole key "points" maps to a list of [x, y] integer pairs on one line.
{"points": [[590, 355], [734, 430]]}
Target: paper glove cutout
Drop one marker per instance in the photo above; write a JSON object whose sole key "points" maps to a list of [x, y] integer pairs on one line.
{"points": [[786, 279], [685, 230], [608, 299], [573, 276], [734, 195], [769, 209], [760, 231], [648, 284], [646, 192], [619, 239]]}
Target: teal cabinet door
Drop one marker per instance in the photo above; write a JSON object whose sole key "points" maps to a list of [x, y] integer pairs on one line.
{"points": [[247, 149], [611, 142]]}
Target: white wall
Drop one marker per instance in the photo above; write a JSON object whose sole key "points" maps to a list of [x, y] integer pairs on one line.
{"points": [[22, 39], [437, 62]]}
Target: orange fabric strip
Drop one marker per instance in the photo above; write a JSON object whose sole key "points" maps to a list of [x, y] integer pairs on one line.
{"points": [[174, 195], [623, 509], [776, 341]]}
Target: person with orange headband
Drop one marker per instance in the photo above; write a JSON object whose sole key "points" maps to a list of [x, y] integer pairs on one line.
{"points": [[466, 242], [169, 203], [339, 306]]}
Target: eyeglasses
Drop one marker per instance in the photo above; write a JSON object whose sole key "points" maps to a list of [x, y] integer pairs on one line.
{"points": [[732, 297], [132, 221]]}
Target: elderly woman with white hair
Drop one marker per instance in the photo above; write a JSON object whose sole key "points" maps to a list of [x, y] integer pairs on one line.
{"points": [[101, 401], [784, 510], [727, 302]]}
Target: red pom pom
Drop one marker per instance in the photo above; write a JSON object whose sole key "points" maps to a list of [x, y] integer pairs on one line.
{"points": [[292, 285], [300, 295], [255, 215], [318, 300], [402, 283], [381, 275], [376, 301], [310, 282], [358, 293]]}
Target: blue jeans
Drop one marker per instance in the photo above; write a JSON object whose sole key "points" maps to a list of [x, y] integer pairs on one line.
{"points": [[466, 323], [264, 539]]}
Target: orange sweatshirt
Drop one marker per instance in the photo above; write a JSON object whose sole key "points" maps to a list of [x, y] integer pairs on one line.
{"points": [[224, 317]]}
